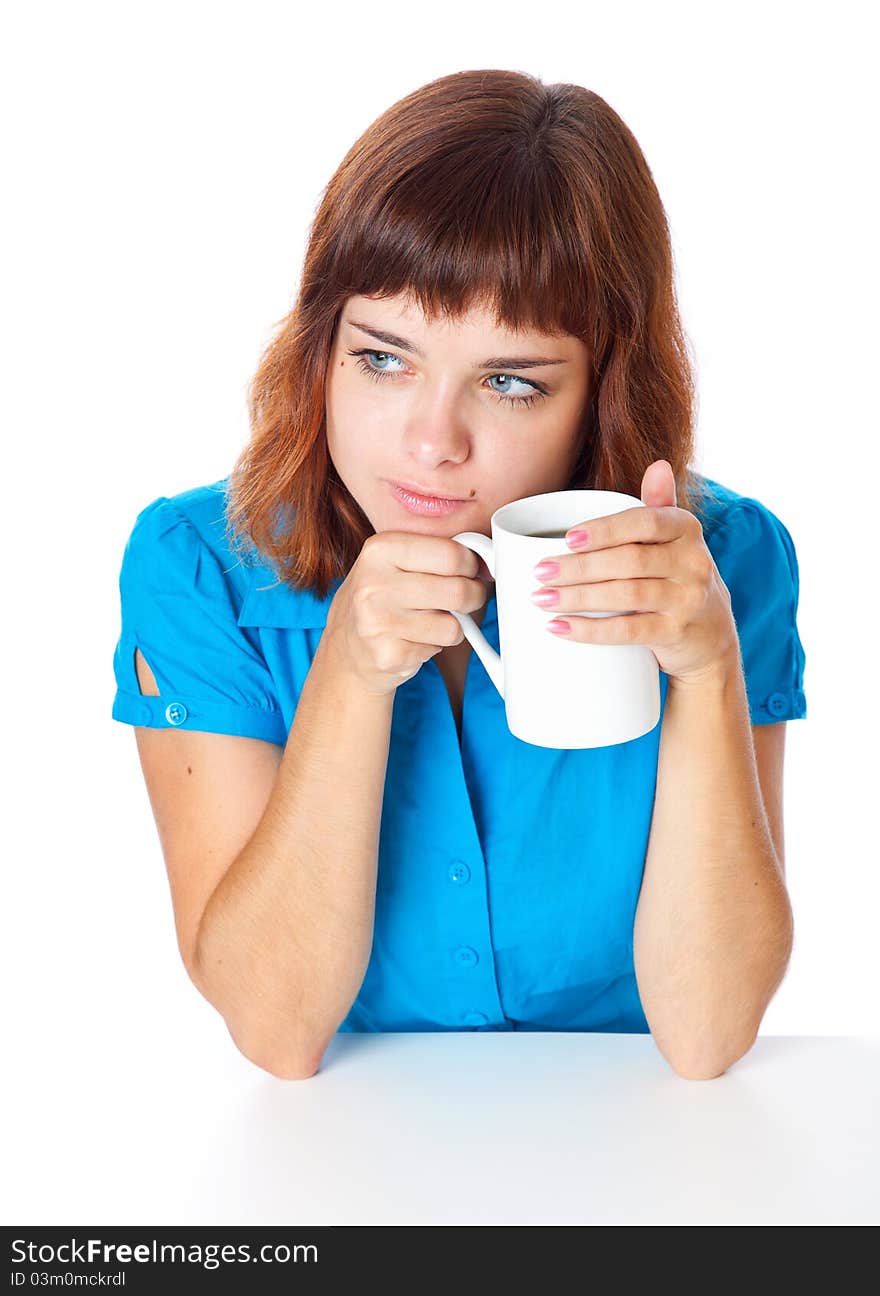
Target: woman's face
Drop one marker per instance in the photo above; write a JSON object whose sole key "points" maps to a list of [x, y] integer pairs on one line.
{"points": [[457, 409]]}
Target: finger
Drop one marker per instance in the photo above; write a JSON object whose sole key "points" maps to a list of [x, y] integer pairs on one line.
{"points": [[640, 628], [659, 595], [622, 563], [643, 525], [423, 591], [410, 551], [438, 629]]}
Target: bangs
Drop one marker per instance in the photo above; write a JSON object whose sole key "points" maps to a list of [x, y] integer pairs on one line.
{"points": [[486, 232]]}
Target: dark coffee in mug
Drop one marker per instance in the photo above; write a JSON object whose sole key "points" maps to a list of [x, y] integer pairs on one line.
{"points": [[548, 535]]}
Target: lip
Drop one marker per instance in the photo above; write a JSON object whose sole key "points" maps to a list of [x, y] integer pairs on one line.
{"points": [[413, 489], [425, 505]]}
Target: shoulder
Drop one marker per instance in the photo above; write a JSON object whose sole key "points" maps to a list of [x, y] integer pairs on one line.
{"points": [[741, 531], [174, 534], [722, 507], [182, 544], [181, 605], [756, 559]]}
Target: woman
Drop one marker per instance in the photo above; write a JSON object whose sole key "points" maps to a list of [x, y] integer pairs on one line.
{"points": [[354, 839]]}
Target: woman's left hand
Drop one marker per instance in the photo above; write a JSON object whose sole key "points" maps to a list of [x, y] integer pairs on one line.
{"points": [[652, 561]]}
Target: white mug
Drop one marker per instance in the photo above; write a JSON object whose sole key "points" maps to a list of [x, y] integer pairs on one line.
{"points": [[557, 693]]}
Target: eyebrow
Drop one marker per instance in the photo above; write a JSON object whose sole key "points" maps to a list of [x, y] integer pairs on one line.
{"points": [[494, 362]]}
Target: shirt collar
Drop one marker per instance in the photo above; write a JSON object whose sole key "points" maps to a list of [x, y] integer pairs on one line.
{"points": [[270, 602]]}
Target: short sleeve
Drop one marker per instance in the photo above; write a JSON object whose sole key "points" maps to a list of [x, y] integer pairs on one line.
{"points": [[179, 608], [756, 558]]}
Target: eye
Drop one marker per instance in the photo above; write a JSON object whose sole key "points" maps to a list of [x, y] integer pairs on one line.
{"points": [[379, 375]]}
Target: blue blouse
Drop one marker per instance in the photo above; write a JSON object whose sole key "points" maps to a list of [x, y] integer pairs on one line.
{"points": [[516, 909]]}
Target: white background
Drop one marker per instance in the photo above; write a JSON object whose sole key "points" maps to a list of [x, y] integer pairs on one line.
{"points": [[161, 166]]}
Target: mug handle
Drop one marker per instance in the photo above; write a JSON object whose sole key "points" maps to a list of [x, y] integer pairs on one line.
{"points": [[481, 545]]}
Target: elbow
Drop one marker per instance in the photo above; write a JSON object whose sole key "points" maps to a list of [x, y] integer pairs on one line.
{"points": [[708, 1066], [287, 1068], [282, 1064], [284, 1061], [697, 1072]]}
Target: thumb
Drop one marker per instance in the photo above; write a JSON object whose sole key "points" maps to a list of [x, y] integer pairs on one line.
{"points": [[658, 484]]}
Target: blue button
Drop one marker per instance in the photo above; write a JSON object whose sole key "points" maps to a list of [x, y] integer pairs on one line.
{"points": [[778, 704], [459, 872], [175, 713], [465, 956], [475, 1019]]}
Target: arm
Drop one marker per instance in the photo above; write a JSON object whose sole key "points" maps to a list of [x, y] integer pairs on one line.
{"points": [[285, 938], [713, 928]]}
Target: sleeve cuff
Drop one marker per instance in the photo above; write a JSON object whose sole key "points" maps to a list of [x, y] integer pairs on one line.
{"points": [[784, 704], [206, 717]]}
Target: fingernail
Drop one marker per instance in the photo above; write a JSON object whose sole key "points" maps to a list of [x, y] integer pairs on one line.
{"points": [[546, 569], [559, 627], [546, 597], [576, 539]]}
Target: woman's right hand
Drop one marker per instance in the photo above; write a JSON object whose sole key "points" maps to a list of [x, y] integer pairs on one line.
{"points": [[394, 609]]}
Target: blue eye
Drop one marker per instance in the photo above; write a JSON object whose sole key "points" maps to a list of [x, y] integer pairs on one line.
{"points": [[380, 374]]}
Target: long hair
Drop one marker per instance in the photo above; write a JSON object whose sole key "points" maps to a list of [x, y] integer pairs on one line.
{"points": [[482, 188]]}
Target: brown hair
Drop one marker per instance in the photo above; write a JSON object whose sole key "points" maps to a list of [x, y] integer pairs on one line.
{"points": [[480, 188]]}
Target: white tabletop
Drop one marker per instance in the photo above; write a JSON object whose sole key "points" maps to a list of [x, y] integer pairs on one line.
{"points": [[446, 1128]]}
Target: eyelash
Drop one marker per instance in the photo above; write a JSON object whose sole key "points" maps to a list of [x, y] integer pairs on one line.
{"points": [[380, 374]]}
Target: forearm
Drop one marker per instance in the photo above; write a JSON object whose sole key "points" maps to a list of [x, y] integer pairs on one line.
{"points": [[713, 927], [285, 938]]}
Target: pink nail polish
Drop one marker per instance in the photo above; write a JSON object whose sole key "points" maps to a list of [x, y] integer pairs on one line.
{"points": [[558, 627], [577, 539], [546, 597]]}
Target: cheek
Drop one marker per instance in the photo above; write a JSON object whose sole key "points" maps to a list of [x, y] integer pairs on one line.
{"points": [[351, 424], [564, 443], [360, 462], [360, 419]]}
